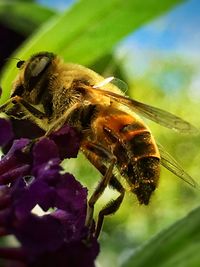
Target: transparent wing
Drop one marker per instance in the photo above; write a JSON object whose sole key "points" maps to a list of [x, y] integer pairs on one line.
{"points": [[173, 166], [104, 82], [120, 84], [157, 115], [115, 81]]}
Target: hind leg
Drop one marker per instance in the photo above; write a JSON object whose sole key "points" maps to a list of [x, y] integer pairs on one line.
{"points": [[97, 155], [112, 205]]}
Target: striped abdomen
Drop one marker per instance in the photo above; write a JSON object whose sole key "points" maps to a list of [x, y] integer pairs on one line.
{"points": [[138, 158]]}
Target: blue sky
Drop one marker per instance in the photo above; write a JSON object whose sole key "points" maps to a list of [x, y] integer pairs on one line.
{"points": [[175, 31], [59, 4]]}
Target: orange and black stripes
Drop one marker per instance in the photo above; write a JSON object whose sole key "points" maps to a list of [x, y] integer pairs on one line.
{"points": [[137, 155]]}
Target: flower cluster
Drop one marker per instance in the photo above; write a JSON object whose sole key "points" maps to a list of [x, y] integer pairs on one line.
{"points": [[30, 176]]}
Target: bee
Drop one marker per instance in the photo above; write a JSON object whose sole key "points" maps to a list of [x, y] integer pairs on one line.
{"points": [[115, 139]]}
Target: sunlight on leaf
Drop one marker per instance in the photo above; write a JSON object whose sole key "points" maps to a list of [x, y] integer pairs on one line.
{"points": [[179, 245], [87, 31]]}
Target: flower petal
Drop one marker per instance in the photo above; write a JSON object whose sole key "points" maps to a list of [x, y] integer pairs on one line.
{"points": [[44, 150], [68, 141]]}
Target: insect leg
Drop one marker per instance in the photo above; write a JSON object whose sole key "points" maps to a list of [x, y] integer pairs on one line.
{"points": [[112, 205], [9, 104], [23, 104], [16, 105], [62, 119], [98, 192], [96, 157]]}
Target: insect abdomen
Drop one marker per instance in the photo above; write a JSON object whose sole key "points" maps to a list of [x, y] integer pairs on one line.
{"points": [[137, 154], [143, 168]]}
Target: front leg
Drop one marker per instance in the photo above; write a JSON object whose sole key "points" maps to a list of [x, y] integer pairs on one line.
{"points": [[16, 106]]}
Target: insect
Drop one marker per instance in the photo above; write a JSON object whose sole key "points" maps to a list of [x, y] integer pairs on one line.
{"points": [[115, 139]]}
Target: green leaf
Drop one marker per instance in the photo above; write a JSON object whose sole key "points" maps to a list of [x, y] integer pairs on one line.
{"points": [[23, 17], [177, 246], [87, 31]]}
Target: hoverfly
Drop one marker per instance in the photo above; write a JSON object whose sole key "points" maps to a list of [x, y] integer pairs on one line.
{"points": [[52, 93]]}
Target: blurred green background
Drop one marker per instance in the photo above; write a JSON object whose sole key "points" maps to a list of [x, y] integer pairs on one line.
{"points": [[152, 46]]}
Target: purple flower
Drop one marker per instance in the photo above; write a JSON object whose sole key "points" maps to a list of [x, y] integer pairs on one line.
{"points": [[62, 142], [30, 176]]}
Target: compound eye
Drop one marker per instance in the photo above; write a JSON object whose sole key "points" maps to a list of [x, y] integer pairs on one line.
{"points": [[38, 65], [34, 70], [20, 63]]}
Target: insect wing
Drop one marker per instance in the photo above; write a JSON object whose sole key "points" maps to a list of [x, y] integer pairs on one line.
{"points": [[164, 118], [120, 84], [173, 166], [157, 115], [113, 80], [104, 82]]}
